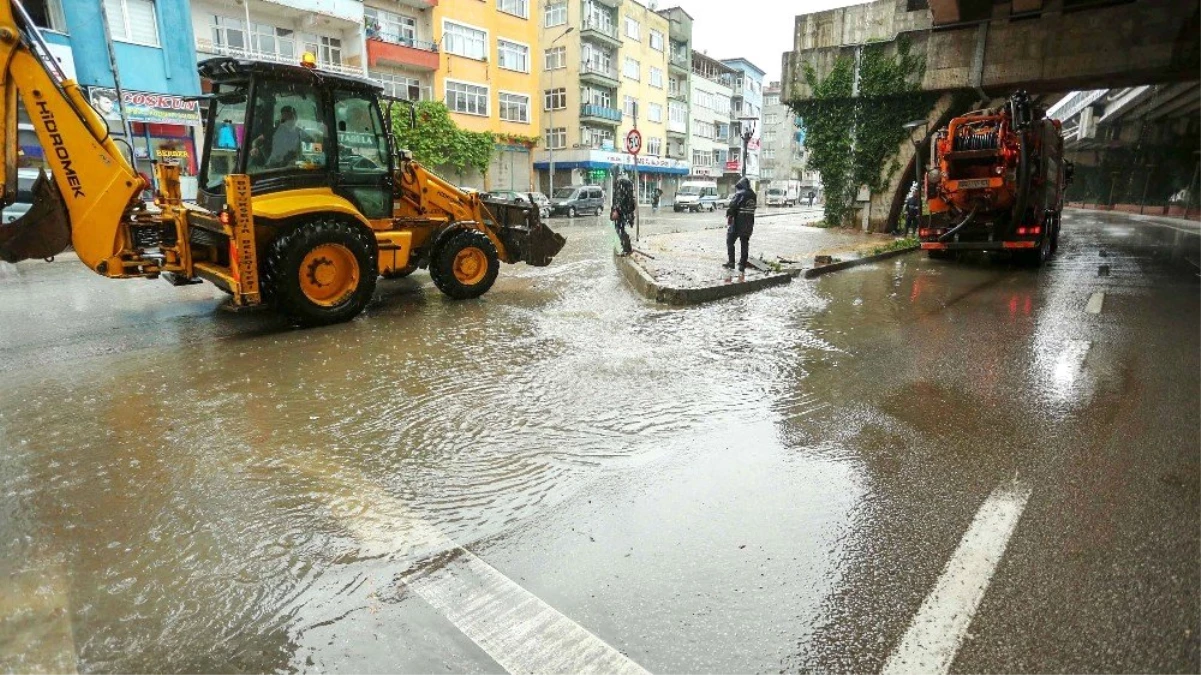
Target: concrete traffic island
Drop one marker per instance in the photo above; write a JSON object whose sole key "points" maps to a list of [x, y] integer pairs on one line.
{"points": [[685, 268]]}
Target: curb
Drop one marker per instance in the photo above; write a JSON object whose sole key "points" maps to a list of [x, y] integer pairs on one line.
{"points": [[814, 272], [646, 286]]}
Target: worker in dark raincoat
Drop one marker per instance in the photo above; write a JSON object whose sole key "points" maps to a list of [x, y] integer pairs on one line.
{"points": [[740, 222], [622, 213]]}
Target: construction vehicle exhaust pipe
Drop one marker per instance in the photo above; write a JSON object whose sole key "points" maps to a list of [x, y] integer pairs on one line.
{"points": [[43, 232]]}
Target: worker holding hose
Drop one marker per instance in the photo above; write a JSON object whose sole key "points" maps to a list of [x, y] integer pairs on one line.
{"points": [[622, 213]]}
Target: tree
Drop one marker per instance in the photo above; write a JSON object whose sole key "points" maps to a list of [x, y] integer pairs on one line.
{"points": [[436, 140]]}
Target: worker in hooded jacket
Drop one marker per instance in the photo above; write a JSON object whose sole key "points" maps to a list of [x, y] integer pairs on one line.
{"points": [[740, 222], [622, 213]]}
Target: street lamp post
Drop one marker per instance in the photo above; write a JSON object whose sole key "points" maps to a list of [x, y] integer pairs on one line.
{"points": [[918, 178], [748, 132], [550, 119]]}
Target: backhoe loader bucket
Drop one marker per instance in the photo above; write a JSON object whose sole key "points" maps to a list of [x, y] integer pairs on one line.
{"points": [[521, 229], [43, 232]]}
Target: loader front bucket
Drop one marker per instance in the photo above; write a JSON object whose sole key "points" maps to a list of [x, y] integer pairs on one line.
{"points": [[43, 232], [525, 236]]}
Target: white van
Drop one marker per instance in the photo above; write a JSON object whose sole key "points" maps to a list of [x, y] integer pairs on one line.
{"points": [[695, 195]]}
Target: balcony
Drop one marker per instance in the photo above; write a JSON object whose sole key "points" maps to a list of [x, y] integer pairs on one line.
{"points": [[680, 62], [208, 47], [388, 49], [615, 4], [596, 73], [604, 33], [599, 114]]}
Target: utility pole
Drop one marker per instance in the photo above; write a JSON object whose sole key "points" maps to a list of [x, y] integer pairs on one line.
{"points": [[112, 61], [637, 186], [550, 119]]}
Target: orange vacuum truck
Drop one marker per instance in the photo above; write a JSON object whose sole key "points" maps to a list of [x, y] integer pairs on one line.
{"points": [[996, 183], [304, 198]]}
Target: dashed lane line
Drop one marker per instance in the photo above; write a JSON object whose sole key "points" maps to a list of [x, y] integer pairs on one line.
{"points": [[1094, 303], [938, 629], [513, 626]]}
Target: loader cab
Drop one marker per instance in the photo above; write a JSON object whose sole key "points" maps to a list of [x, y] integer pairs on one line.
{"points": [[295, 128]]}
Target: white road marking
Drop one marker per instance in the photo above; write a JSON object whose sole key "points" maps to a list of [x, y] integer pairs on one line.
{"points": [[938, 629], [516, 628], [1094, 303]]}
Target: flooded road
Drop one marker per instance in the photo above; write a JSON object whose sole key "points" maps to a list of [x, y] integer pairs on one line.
{"points": [[772, 482]]}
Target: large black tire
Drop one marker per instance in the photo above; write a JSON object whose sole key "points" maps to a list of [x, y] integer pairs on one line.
{"points": [[1039, 256], [301, 291], [472, 281], [571, 212], [1055, 234]]}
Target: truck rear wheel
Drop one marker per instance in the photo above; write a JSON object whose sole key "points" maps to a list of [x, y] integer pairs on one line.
{"points": [[320, 273], [465, 265]]}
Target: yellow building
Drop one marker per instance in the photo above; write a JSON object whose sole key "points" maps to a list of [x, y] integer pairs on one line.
{"points": [[488, 72], [603, 61]]}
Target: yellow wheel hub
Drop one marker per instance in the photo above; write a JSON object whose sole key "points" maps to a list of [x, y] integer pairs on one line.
{"points": [[471, 266], [328, 274]]}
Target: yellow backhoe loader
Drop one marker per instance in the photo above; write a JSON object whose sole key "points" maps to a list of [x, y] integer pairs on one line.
{"points": [[303, 200]]}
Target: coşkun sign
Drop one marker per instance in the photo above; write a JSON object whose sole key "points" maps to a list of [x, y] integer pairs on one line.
{"points": [[145, 107]]}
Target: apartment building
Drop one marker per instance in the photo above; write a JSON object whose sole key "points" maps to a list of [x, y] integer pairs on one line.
{"points": [[783, 156], [679, 88], [156, 61], [605, 62], [282, 31], [489, 70], [746, 108], [709, 121], [401, 52]]}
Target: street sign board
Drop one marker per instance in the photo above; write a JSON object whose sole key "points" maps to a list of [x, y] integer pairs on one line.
{"points": [[634, 142]]}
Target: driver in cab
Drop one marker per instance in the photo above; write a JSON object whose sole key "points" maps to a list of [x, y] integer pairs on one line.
{"points": [[285, 141]]}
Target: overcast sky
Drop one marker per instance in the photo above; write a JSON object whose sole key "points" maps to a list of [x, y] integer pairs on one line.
{"points": [[759, 30]]}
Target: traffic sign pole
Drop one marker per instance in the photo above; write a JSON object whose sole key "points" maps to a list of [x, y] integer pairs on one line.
{"points": [[634, 146]]}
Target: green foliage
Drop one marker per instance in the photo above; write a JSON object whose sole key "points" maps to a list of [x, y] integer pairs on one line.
{"points": [[852, 139], [894, 245], [437, 141]]}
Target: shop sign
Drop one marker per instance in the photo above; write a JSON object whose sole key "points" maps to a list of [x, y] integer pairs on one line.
{"points": [[145, 107], [733, 165]]}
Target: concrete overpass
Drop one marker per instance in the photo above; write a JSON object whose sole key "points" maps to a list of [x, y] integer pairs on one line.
{"points": [[1105, 119], [1150, 49], [1051, 46]]}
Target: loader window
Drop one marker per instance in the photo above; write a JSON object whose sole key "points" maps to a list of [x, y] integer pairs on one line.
{"points": [[227, 141], [289, 129], [361, 143]]}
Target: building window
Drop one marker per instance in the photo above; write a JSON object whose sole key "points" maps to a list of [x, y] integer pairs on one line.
{"points": [[677, 113], [556, 14], [771, 118], [654, 146], [656, 40], [599, 139], [328, 50], [769, 153], [513, 56], [466, 98], [771, 99], [631, 68], [555, 58], [47, 14], [132, 21], [400, 86], [554, 99], [630, 106], [723, 131], [464, 41], [515, 108], [769, 137], [654, 112], [390, 26], [702, 158], [556, 139], [656, 78], [273, 41], [633, 30], [519, 8], [767, 173], [229, 33], [598, 97], [673, 86]]}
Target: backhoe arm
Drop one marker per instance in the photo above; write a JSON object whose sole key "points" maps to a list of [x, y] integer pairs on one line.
{"points": [[93, 186]]}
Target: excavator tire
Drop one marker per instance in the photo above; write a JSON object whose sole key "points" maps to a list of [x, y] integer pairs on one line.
{"points": [[465, 265], [321, 272]]}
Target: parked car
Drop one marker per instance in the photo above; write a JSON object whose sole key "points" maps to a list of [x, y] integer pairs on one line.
{"points": [[543, 204], [696, 195], [724, 201], [508, 196], [25, 180], [578, 199]]}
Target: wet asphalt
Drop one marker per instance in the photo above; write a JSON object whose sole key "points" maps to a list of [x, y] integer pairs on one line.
{"points": [[768, 483]]}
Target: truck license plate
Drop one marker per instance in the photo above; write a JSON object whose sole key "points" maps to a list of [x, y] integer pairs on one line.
{"points": [[973, 183]]}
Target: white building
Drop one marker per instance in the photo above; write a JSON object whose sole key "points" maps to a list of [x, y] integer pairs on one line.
{"points": [[783, 155], [709, 137]]}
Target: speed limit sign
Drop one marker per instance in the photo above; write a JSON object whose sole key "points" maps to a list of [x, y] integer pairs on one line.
{"points": [[634, 142]]}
